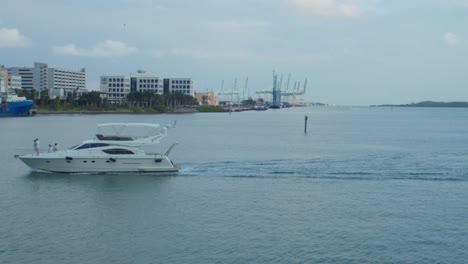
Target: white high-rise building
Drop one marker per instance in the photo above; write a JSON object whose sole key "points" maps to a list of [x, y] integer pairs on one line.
{"points": [[67, 80], [115, 88], [14, 82], [26, 75], [8, 81], [183, 85], [143, 81], [2, 84], [41, 78]]}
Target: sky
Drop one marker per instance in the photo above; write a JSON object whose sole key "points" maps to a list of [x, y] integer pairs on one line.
{"points": [[352, 52]]}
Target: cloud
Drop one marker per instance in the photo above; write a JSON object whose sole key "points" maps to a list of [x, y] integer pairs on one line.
{"points": [[108, 48], [327, 8], [12, 38], [452, 39], [69, 49]]}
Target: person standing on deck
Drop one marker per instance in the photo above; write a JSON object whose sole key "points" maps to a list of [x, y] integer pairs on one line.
{"points": [[36, 146]]}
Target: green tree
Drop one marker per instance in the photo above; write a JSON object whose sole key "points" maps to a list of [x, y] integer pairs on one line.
{"points": [[91, 99]]}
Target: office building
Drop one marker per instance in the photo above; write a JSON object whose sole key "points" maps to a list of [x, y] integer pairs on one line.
{"points": [[183, 85], [14, 82], [32, 78], [115, 88], [8, 81], [143, 81], [2, 81], [66, 80], [42, 78]]}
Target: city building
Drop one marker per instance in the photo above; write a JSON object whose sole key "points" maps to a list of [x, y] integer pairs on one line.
{"points": [[32, 78], [183, 85], [66, 80], [42, 78], [115, 88], [3, 84], [8, 81], [14, 82], [26, 75], [143, 81], [208, 98]]}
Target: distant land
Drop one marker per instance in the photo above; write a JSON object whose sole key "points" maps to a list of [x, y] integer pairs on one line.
{"points": [[427, 104]]}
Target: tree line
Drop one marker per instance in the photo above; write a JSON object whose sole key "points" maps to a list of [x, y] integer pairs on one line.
{"points": [[146, 99]]}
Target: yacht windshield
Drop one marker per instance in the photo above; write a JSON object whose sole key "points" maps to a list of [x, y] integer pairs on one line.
{"points": [[118, 151], [92, 145]]}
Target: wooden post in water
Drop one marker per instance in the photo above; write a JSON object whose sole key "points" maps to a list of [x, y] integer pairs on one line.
{"points": [[305, 124]]}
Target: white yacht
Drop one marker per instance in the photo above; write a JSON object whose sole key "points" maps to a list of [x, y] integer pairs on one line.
{"points": [[114, 152]]}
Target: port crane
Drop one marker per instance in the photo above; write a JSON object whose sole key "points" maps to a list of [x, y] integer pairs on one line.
{"points": [[294, 97]]}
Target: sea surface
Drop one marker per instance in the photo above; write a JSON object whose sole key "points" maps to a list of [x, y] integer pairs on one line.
{"points": [[363, 185]]}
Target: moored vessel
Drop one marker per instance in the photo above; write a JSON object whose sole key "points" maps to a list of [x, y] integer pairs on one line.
{"points": [[13, 105]]}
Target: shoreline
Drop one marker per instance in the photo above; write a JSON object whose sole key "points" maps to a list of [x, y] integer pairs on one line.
{"points": [[91, 112]]}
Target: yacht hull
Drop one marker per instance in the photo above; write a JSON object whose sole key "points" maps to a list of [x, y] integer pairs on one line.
{"points": [[99, 164]]}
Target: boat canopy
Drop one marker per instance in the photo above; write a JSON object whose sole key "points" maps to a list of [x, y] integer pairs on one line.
{"points": [[130, 129], [133, 133], [147, 125]]}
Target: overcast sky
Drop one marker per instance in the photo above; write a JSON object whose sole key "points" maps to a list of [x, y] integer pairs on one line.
{"points": [[353, 52]]}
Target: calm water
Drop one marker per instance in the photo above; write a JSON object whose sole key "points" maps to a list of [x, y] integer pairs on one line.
{"points": [[365, 185]]}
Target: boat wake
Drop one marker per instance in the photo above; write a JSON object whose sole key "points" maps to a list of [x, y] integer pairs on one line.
{"points": [[348, 169]]}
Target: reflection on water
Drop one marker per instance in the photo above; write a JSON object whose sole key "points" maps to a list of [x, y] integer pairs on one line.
{"points": [[101, 181]]}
